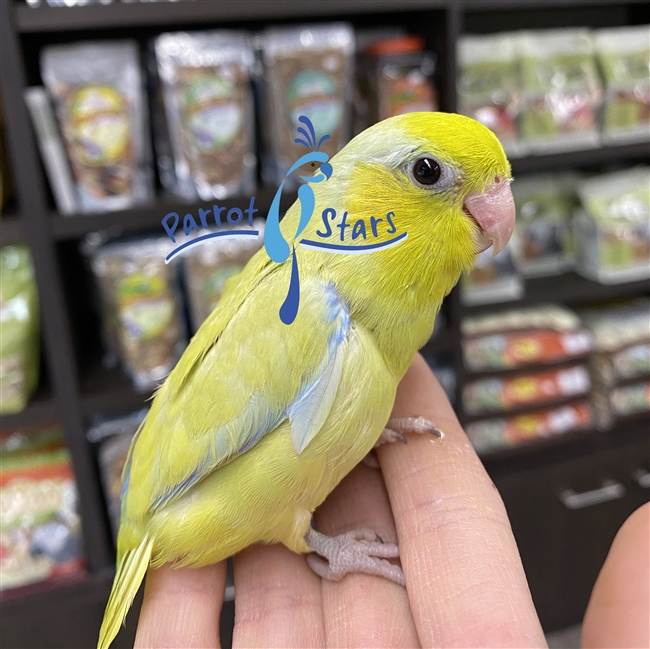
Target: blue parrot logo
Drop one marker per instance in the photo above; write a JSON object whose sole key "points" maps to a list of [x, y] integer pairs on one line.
{"points": [[275, 244]]}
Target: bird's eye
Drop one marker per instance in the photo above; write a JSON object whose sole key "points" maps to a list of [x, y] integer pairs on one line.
{"points": [[426, 171]]}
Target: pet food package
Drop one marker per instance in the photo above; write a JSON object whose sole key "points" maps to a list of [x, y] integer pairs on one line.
{"points": [[399, 77], [141, 307], [493, 279], [613, 229], [308, 73], [497, 394], [494, 434], [544, 241], [523, 337], [562, 91], [40, 528], [624, 57], [488, 85], [114, 436], [621, 360], [101, 107], [19, 329], [208, 266], [205, 80]]}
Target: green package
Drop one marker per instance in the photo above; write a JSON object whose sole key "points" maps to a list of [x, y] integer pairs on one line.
{"points": [[613, 229], [562, 90], [488, 86], [19, 329], [624, 57]]}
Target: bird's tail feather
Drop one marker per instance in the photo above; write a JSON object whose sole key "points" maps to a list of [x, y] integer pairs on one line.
{"points": [[130, 573]]}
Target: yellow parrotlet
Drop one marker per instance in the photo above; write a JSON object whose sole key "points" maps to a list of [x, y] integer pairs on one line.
{"points": [[260, 420]]}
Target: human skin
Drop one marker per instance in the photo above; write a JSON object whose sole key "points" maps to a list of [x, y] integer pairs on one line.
{"points": [[619, 609], [465, 585]]}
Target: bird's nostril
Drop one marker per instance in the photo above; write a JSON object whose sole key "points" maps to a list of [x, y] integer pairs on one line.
{"points": [[497, 179]]}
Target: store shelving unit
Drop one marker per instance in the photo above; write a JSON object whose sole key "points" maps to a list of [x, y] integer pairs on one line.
{"points": [[77, 386]]}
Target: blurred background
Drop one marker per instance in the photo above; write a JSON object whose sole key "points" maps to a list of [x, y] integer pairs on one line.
{"points": [[116, 114]]}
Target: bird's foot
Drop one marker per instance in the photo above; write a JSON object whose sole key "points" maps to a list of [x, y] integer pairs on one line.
{"points": [[395, 429], [360, 550]]}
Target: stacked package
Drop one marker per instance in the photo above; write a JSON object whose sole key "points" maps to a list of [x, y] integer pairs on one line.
{"points": [[530, 378], [207, 268], [621, 361], [40, 529], [140, 305], [613, 228], [98, 92], [205, 123], [308, 73], [557, 90]]}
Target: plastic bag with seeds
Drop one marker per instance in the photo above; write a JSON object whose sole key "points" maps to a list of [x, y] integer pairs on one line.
{"points": [[308, 71], [624, 56], [488, 85], [208, 105], [208, 266], [102, 113], [141, 307], [562, 90]]}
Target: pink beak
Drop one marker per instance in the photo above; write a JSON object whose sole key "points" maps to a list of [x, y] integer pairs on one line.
{"points": [[494, 212]]}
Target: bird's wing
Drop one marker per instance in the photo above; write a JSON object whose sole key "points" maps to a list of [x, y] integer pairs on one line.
{"points": [[243, 373]]}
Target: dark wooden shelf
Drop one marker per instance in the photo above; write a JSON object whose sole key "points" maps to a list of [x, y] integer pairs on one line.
{"points": [[11, 229], [569, 289], [41, 409], [150, 216], [57, 19], [110, 391], [582, 158]]}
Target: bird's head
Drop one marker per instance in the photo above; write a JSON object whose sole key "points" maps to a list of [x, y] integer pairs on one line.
{"points": [[445, 176]]}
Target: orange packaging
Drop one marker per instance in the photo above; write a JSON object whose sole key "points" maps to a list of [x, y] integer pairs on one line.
{"points": [[521, 348], [494, 394], [491, 434]]}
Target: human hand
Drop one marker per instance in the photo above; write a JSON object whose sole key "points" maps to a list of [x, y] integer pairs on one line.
{"points": [[465, 585]]}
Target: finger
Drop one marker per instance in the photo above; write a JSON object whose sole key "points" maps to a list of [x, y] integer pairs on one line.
{"points": [[617, 615], [181, 607], [464, 577], [277, 599], [363, 610]]}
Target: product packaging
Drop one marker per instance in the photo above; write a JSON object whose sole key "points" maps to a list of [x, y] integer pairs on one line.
{"points": [[523, 337], [19, 329], [208, 266], [101, 107], [493, 434], [621, 360], [209, 119], [308, 72], [624, 57], [506, 393], [488, 85], [493, 279], [40, 529], [398, 76], [544, 241], [562, 90], [114, 436], [141, 307], [613, 229]]}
